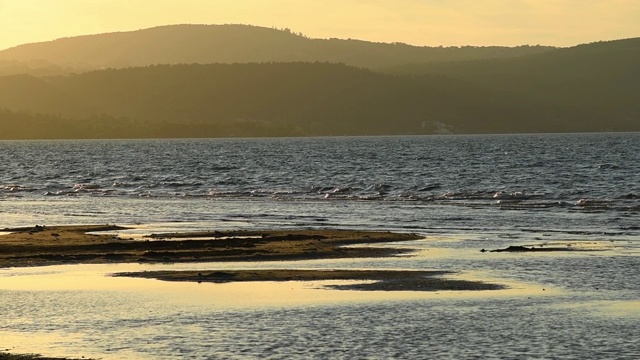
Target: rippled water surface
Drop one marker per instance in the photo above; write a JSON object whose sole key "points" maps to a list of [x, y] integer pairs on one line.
{"points": [[464, 193], [578, 183]]}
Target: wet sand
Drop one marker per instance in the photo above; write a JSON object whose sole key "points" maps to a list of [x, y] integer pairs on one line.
{"points": [[380, 280], [56, 245], [7, 356], [91, 244], [521, 248]]}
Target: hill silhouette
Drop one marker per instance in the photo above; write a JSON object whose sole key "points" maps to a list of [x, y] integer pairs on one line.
{"points": [[602, 77], [205, 44], [297, 99], [238, 80]]}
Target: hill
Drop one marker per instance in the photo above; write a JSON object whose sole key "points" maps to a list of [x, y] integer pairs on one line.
{"points": [[599, 78], [205, 44], [284, 99]]}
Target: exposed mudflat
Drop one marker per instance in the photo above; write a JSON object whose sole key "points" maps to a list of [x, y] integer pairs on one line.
{"points": [[43, 245], [381, 280], [55, 245]]}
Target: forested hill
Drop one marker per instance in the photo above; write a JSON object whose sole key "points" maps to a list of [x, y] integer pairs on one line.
{"points": [[278, 99], [205, 44], [600, 77]]}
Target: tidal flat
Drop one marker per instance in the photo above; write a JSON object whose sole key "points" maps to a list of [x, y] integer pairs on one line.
{"points": [[88, 244], [7, 356], [55, 298], [42, 246]]}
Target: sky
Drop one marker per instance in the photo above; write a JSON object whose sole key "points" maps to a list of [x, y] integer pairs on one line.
{"points": [[416, 22]]}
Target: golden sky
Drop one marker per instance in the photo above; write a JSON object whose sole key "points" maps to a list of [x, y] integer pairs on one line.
{"points": [[418, 22]]}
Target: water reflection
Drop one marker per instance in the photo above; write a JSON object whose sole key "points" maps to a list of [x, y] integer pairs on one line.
{"points": [[80, 310], [558, 305], [96, 278], [629, 309]]}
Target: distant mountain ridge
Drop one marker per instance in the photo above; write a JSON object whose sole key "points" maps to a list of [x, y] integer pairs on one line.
{"points": [[149, 83], [598, 77], [205, 44], [281, 99]]}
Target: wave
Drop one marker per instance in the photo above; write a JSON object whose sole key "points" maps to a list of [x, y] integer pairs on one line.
{"points": [[504, 199]]}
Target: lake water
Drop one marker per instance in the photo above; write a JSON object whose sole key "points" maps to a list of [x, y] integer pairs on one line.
{"points": [[464, 193]]}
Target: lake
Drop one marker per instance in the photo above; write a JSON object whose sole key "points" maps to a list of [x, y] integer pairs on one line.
{"points": [[463, 193]]}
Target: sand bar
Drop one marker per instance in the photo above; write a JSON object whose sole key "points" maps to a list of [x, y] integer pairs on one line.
{"points": [[374, 280], [56, 245]]}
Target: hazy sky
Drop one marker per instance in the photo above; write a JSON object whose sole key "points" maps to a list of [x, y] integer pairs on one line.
{"points": [[418, 22]]}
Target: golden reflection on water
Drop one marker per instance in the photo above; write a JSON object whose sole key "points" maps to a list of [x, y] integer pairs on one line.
{"points": [[233, 295], [514, 288], [141, 231], [629, 309], [59, 345], [194, 298]]}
